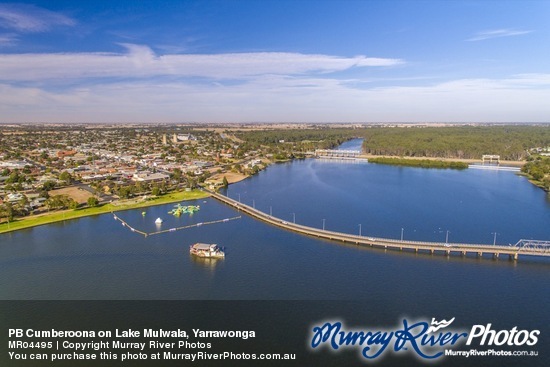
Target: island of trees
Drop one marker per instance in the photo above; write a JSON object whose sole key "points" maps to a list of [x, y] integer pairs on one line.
{"points": [[423, 163]]}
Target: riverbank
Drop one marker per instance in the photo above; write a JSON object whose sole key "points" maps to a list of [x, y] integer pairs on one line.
{"points": [[537, 183], [58, 216], [421, 163], [468, 161]]}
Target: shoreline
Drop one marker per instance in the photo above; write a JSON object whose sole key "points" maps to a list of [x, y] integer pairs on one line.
{"points": [[59, 216], [469, 161], [420, 163]]}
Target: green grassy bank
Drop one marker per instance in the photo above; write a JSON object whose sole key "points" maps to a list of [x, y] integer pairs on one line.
{"points": [[57, 216]]}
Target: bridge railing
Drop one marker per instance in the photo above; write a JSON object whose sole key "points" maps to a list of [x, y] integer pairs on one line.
{"points": [[523, 246], [533, 246]]}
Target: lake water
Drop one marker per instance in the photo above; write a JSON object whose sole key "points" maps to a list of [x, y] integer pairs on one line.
{"points": [[96, 258]]}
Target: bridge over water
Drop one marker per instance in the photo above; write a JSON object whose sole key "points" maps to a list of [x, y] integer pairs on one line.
{"points": [[337, 153], [523, 247]]}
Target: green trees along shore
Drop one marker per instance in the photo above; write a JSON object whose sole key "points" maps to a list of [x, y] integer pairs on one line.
{"points": [[464, 142], [538, 172], [423, 163], [58, 216]]}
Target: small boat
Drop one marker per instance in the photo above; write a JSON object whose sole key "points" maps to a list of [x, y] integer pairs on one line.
{"points": [[158, 221], [206, 250]]}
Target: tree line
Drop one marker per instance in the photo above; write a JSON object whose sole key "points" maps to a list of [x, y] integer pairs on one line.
{"points": [[423, 163], [321, 138], [511, 142], [538, 171], [465, 142]]}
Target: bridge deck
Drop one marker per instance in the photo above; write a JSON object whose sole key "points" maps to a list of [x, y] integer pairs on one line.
{"points": [[542, 248]]}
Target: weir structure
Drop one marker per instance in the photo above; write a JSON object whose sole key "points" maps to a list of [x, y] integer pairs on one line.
{"points": [[490, 158], [522, 247], [337, 153]]}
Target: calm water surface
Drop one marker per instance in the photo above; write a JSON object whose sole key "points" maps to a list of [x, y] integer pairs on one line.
{"points": [[97, 258]]}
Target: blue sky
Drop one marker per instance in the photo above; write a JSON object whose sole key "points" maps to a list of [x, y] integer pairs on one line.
{"points": [[275, 61]]}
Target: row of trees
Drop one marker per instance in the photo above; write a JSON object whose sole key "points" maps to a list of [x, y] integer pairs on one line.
{"points": [[469, 142], [60, 202], [128, 190], [320, 138], [538, 171], [9, 211], [423, 163], [16, 177]]}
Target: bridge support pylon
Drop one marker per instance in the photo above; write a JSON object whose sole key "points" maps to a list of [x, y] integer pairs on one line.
{"points": [[490, 158]]}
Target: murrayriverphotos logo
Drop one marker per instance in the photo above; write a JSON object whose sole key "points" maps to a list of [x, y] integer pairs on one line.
{"points": [[427, 341]]}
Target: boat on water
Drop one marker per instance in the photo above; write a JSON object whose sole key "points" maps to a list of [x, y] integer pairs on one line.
{"points": [[206, 250], [158, 221]]}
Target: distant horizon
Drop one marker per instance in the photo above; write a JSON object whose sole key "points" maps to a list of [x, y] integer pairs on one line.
{"points": [[272, 123], [248, 61]]}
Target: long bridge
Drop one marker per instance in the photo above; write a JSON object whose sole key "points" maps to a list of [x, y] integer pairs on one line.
{"points": [[523, 247]]}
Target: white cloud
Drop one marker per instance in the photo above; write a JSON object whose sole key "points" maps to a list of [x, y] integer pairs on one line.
{"points": [[484, 35], [30, 18], [530, 79], [140, 61], [282, 98]]}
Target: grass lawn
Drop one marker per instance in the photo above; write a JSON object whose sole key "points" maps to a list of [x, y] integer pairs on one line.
{"points": [[57, 216]]}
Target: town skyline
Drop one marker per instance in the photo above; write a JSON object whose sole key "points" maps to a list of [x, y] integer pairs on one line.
{"points": [[250, 62]]}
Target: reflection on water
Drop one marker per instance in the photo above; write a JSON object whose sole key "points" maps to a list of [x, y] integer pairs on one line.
{"points": [[209, 263]]}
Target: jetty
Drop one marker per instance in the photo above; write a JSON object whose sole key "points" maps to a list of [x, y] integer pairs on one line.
{"points": [[521, 248]]}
